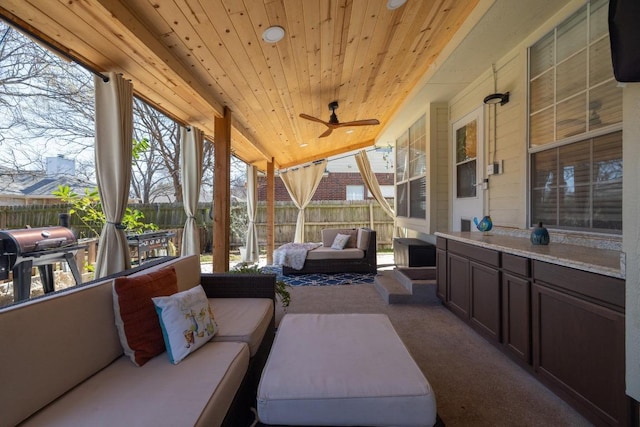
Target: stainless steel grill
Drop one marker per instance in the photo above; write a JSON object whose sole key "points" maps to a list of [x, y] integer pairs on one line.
{"points": [[144, 243], [23, 249]]}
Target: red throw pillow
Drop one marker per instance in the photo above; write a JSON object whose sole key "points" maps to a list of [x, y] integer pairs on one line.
{"points": [[136, 319]]}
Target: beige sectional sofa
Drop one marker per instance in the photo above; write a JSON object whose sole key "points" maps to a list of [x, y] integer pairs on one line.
{"points": [[62, 363], [358, 256]]}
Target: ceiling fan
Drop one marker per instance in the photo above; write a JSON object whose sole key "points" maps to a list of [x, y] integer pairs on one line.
{"points": [[333, 122]]}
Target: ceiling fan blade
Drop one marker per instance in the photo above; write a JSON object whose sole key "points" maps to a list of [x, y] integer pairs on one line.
{"points": [[313, 119], [327, 132], [367, 122]]}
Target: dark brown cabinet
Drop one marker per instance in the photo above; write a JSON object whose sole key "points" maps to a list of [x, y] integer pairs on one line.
{"points": [[485, 300], [578, 340], [566, 326], [474, 287], [458, 292], [516, 316], [516, 306], [441, 266], [441, 263]]}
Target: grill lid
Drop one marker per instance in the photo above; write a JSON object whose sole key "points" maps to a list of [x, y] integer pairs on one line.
{"points": [[25, 240]]}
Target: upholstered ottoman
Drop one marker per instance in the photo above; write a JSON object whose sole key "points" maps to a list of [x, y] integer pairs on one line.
{"points": [[340, 370]]}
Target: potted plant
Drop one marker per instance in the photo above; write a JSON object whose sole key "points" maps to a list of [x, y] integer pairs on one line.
{"points": [[282, 291]]}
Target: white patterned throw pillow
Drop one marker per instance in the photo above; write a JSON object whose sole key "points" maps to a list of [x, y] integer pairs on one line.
{"points": [[187, 322], [340, 241]]}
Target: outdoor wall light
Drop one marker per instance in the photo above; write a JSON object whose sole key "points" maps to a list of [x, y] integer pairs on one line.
{"points": [[497, 98], [273, 34]]}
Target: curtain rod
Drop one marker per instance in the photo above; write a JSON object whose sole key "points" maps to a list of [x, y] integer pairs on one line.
{"points": [[328, 160], [353, 154]]}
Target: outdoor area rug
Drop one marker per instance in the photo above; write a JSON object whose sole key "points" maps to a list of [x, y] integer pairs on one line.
{"points": [[320, 279]]}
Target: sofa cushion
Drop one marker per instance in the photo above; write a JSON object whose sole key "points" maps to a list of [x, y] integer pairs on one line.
{"points": [[187, 322], [196, 392], [136, 319], [340, 241], [187, 270], [51, 344], [242, 319], [328, 253], [329, 235], [362, 239]]}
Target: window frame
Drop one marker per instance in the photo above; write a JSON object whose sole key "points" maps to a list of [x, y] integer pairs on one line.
{"points": [[414, 136], [565, 141]]}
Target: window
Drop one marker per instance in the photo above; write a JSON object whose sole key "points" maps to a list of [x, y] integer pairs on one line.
{"points": [[386, 190], [355, 192], [579, 186], [466, 147], [575, 116], [411, 169]]}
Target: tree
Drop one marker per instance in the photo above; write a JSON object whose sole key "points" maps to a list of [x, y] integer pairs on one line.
{"points": [[157, 171], [88, 209], [47, 106], [43, 99]]}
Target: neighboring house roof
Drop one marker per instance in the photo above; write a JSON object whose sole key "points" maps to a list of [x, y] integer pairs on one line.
{"points": [[37, 184]]}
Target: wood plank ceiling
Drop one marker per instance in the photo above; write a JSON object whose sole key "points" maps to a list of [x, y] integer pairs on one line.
{"points": [[193, 58]]}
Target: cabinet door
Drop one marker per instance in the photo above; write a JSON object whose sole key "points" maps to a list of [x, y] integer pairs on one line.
{"points": [[578, 349], [441, 266], [485, 300], [516, 316], [458, 276]]}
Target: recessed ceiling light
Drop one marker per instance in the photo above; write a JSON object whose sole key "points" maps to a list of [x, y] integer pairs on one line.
{"points": [[273, 34], [394, 4], [349, 130], [304, 144]]}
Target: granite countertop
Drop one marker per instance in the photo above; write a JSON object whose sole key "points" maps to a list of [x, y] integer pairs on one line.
{"points": [[602, 261]]}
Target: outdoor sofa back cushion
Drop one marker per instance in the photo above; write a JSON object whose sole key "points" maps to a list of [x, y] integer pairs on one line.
{"points": [[329, 235], [362, 242]]}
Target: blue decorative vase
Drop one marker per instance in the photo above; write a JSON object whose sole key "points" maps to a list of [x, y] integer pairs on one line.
{"points": [[485, 224], [540, 235]]}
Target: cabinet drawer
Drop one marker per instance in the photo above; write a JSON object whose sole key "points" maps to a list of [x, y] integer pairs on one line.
{"points": [[596, 287], [441, 243], [477, 253], [516, 264]]}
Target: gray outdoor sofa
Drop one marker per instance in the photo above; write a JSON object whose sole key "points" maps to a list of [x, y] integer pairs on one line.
{"points": [[358, 256], [63, 361]]}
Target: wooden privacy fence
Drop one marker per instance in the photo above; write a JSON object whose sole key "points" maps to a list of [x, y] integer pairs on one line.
{"points": [[326, 214], [171, 216]]}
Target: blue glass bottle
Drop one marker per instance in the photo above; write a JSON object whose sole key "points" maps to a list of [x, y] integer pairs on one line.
{"points": [[540, 235], [484, 225]]}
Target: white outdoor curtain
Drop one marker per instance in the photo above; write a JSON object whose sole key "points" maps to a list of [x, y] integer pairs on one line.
{"points": [[301, 183], [114, 142], [191, 147], [373, 186], [251, 253]]}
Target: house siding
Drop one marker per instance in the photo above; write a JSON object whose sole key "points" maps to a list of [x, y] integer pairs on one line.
{"points": [[507, 194]]}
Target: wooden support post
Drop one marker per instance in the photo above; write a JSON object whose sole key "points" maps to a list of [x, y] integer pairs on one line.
{"points": [[371, 215], [222, 192], [271, 195]]}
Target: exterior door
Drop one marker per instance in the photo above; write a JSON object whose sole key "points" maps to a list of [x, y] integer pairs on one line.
{"points": [[468, 176]]}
